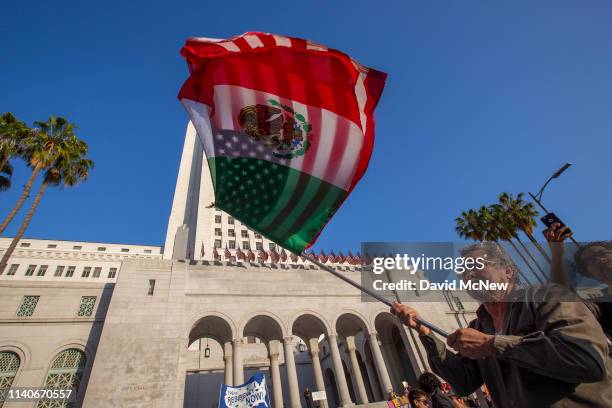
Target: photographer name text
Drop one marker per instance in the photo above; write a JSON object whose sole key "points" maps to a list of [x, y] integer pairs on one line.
{"points": [[424, 284]]}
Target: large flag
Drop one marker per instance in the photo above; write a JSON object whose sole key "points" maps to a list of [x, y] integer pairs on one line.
{"points": [[287, 126]]}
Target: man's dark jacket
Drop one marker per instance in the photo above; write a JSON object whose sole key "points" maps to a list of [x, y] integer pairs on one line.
{"points": [[549, 354]]}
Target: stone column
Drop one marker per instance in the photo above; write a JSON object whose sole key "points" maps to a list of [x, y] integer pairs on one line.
{"points": [[227, 357], [345, 397], [277, 388], [383, 375], [237, 362], [294, 390], [361, 390], [412, 344], [316, 367]]}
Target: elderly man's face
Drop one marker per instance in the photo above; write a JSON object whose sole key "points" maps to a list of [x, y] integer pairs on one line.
{"points": [[493, 272], [598, 262]]}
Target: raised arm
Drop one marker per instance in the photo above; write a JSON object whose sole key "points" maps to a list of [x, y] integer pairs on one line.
{"points": [[558, 273]]}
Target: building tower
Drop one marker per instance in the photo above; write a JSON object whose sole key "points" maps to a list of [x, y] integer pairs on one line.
{"points": [[196, 228]]}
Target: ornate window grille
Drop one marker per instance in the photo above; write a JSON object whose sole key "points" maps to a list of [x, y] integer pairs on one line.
{"points": [[9, 364], [87, 306], [65, 373], [28, 304]]}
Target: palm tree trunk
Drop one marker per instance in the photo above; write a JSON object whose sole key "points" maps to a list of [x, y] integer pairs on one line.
{"points": [[508, 239], [23, 227], [532, 258], [526, 263], [538, 246], [24, 195]]}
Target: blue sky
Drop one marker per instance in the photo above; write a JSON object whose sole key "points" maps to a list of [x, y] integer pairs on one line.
{"points": [[481, 98]]}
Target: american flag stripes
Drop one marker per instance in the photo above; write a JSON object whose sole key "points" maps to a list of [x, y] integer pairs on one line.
{"points": [[287, 126]]}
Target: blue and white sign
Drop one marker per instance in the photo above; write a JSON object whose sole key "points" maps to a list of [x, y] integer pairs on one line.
{"points": [[251, 394]]}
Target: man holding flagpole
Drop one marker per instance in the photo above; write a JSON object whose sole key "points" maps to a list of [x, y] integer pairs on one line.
{"points": [[533, 351]]}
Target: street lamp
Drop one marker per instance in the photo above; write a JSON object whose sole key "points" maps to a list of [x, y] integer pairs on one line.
{"points": [[207, 350], [554, 176], [538, 197]]}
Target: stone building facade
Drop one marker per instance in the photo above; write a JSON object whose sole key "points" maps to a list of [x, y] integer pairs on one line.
{"points": [[146, 326]]}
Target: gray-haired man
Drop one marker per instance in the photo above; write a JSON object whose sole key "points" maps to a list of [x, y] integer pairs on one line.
{"points": [[533, 351]]}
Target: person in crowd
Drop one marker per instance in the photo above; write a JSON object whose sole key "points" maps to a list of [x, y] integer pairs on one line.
{"points": [[457, 401], [391, 395], [429, 383], [531, 351], [419, 399], [487, 396], [405, 387], [473, 403], [308, 397], [592, 260]]}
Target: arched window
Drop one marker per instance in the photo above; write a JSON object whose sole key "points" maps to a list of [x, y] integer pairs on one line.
{"points": [[9, 364], [65, 373]]}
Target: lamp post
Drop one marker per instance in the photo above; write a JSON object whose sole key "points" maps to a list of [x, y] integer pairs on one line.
{"points": [[538, 197]]}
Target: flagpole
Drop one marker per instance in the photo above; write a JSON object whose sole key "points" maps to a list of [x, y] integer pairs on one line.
{"points": [[375, 295]]}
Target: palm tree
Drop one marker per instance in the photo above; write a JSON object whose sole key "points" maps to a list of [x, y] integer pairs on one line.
{"points": [[69, 168], [524, 214], [508, 230], [5, 176], [469, 225], [40, 149], [12, 132], [520, 217], [484, 225]]}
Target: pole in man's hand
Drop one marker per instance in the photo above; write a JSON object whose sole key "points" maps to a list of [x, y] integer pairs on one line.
{"points": [[375, 295]]}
